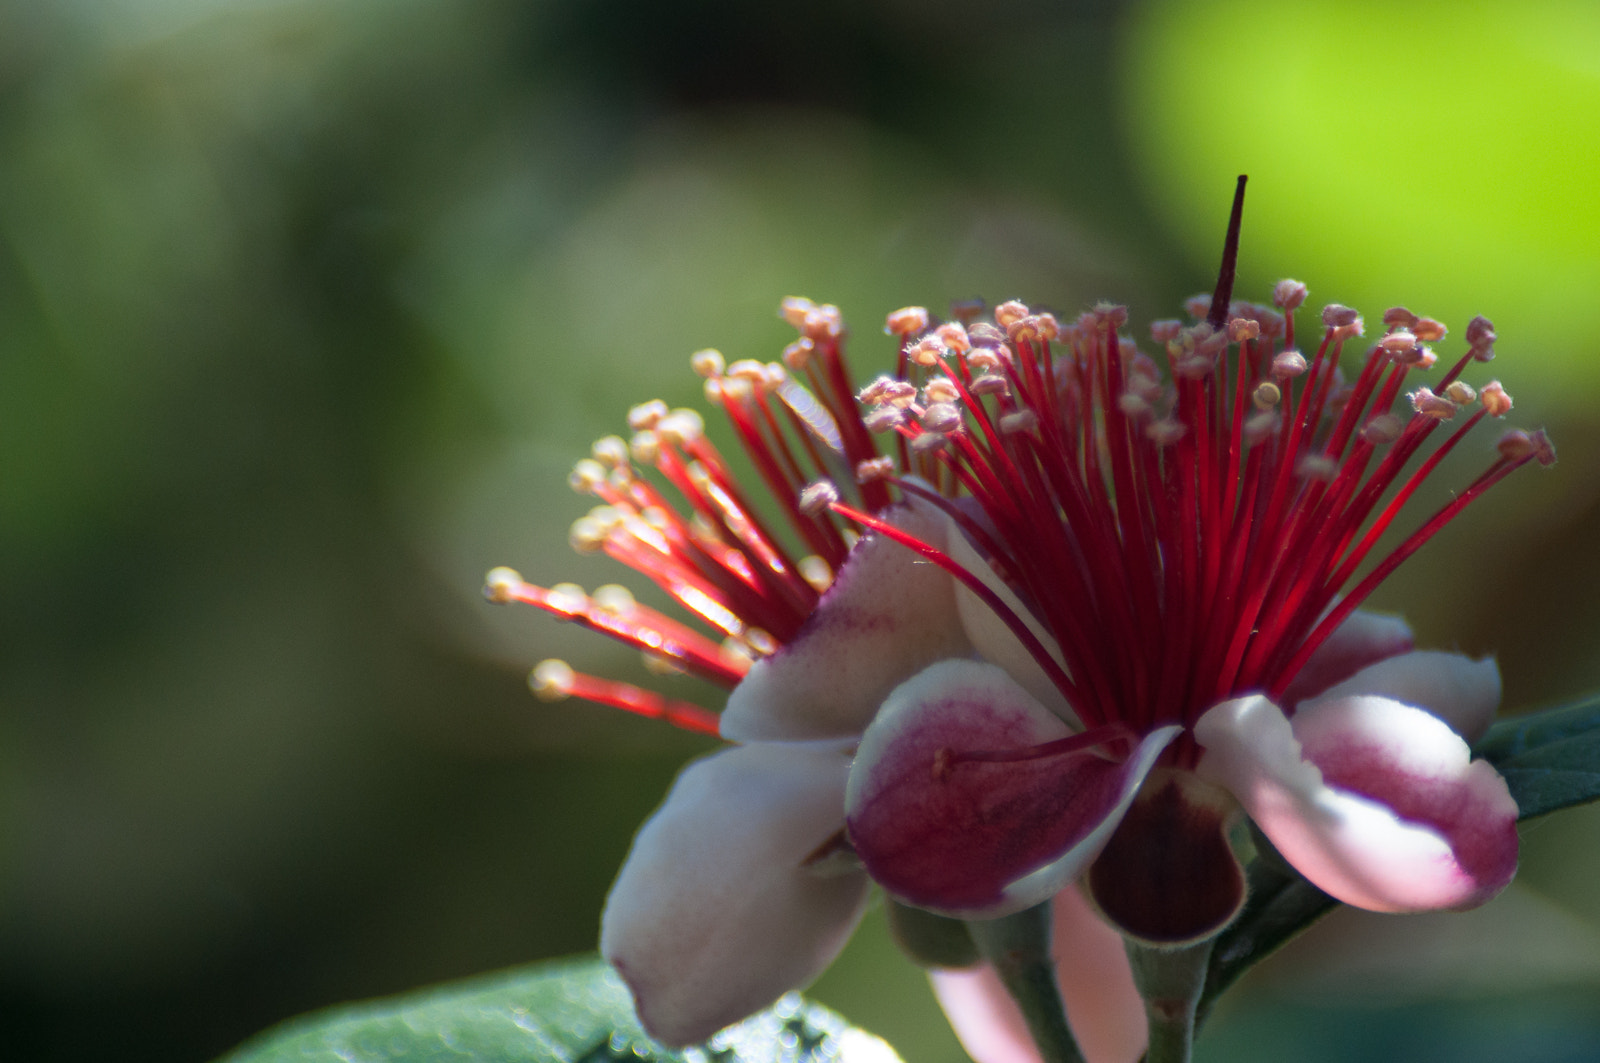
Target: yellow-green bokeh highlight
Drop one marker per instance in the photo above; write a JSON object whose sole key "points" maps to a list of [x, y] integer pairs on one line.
{"points": [[1441, 156]]}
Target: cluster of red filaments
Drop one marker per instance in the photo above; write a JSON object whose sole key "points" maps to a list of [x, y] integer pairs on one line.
{"points": [[746, 571], [1184, 535]]}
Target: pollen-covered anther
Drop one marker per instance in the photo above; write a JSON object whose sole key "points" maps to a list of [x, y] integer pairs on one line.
{"points": [[647, 414], [1400, 341], [615, 599], [794, 309], [1266, 395], [798, 354], [1425, 402], [1544, 450], [1288, 295], [587, 535], [907, 321], [1461, 393], [568, 598], [928, 442], [874, 469], [954, 336], [1515, 444], [1166, 330], [941, 389], [1019, 421], [817, 496], [1337, 315], [1198, 306], [502, 584], [1133, 404], [681, 426], [989, 384], [750, 370], [984, 359], [610, 451], [1481, 337], [1429, 330], [815, 571], [1260, 426], [1009, 313], [929, 350], [1241, 329], [825, 322], [1165, 432], [707, 362], [586, 476], [883, 419], [551, 680], [1317, 467], [1287, 365], [1398, 317], [1383, 429], [941, 417], [1494, 399]]}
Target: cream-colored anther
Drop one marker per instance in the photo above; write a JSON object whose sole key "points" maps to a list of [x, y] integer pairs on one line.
{"points": [[1133, 404], [586, 475], [797, 355], [1166, 330], [615, 599], [586, 535], [941, 389], [610, 451], [824, 322], [736, 654], [1050, 329], [928, 442], [989, 384], [1399, 317], [759, 641], [568, 598], [1266, 395], [874, 469], [1425, 402], [1461, 393], [927, 351], [681, 426], [551, 680], [817, 496], [1398, 342], [707, 363], [1110, 315], [1019, 421], [502, 584], [900, 393], [1383, 429], [1494, 399], [645, 447], [984, 359], [1010, 312], [1241, 329], [1165, 432], [941, 417], [1317, 467], [907, 321], [1429, 331], [883, 418], [646, 414], [1198, 306], [748, 369], [953, 334], [815, 571], [1288, 294], [794, 309]]}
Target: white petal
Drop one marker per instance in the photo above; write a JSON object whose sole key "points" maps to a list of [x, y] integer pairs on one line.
{"points": [[1103, 1007], [1460, 691], [1404, 820], [713, 916], [888, 615], [993, 638]]}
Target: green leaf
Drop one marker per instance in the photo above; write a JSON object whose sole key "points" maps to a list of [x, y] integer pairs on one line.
{"points": [[571, 1011], [1550, 760]]}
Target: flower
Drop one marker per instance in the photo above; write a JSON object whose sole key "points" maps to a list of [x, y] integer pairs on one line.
{"points": [[1106, 612]]}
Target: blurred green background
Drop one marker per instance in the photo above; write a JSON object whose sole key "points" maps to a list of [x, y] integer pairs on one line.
{"points": [[306, 307]]}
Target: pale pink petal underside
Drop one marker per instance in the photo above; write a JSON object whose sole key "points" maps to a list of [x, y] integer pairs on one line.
{"points": [[1460, 691], [1363, 639], [1378, 803], [714, 915], [1103, 1007], [980, 839], [888, 614]]}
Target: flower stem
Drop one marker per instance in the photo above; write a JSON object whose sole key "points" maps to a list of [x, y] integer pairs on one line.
{"points": [[1019, 948], [1170, 980]]}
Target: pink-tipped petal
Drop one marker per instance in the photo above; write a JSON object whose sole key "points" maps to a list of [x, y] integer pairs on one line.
{"points": [[716, 912], [1378, 803], [1460, 691], [1103, 1007], [979, 839], [1363, 639], [888, 615], [993, 639]]}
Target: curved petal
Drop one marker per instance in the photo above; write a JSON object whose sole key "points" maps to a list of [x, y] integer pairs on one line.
{"points": [[1378, 803], [888, 615], [1103, 1006], [993, 639], [981, 838], [1363, 639], [715, 915], [1460, 691]]}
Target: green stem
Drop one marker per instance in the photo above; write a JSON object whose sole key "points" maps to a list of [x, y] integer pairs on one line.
{"points": [[1019, 948], [1170, 980]]}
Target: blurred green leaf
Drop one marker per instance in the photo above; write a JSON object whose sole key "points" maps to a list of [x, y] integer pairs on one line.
{"points": [[571, 1011], [1551, 760]]}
